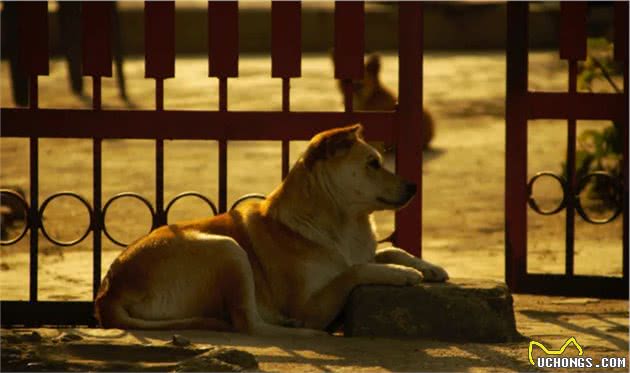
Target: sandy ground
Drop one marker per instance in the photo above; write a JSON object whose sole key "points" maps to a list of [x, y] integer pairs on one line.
{"points": [[463, 194], [600, 327]]}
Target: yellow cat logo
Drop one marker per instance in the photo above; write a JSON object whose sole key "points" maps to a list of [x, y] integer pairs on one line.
{"points": [[554, 352]]}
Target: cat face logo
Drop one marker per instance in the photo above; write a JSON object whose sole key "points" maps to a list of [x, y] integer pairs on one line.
{"points": [[554, 352]]}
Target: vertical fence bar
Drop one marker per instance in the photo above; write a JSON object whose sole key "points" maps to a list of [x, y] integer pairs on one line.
{"points": [[573, 30], [159, 39], [286, 107], [621, 56], [159, 160], [569, 237], [625, 123], [286, 39], [572, 48], [408, 233], [33, 217], [159, 42], [286, 55], [33, 38], [97, 166], [349, 46], [223, 38], [34, 189], [223, 63], [97, 62], [516, 144], [223, 150], [97, 26], [33, 57]]}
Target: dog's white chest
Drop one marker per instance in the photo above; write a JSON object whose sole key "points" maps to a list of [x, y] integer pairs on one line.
{"points": [[357, 243]]}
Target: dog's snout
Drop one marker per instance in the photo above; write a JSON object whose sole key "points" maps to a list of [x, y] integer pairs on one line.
{"points": [[412, 188]]}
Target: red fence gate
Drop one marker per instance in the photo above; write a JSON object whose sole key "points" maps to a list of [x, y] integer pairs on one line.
{"points": [[401, 127], [521, 105]]}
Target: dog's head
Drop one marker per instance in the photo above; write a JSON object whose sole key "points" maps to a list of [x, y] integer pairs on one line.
{"points": [[345, 166], [369, 93], [370, 80]]}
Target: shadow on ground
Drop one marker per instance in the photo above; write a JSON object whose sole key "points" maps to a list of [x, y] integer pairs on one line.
{"points": [[107, 350]]}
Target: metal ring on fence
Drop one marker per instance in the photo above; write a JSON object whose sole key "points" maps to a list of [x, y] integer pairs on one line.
{"points": [[68, 194], [25, 207], [532, 202], [245, 197], [615, 183], [215, 211], [122, 195]]}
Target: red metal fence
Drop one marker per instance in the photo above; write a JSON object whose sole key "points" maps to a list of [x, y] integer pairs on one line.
{"points": [[522, 105], [401, 127]]}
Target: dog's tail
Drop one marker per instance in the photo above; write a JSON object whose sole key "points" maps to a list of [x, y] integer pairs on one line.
{"points": [[110, 311], [112, 314]]}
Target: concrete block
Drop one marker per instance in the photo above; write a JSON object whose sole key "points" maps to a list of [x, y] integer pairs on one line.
{"points": [[458, 310]]}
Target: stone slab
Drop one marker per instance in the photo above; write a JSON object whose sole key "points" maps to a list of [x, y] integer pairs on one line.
{"points": [[458, 310]]}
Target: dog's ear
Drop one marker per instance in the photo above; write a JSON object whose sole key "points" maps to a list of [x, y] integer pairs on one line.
{"points": [[355, 129], [331, 143], [373, 64]]}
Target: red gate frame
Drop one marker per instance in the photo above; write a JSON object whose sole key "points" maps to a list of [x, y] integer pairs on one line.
{"points": [[401, 127], [522, 105]]}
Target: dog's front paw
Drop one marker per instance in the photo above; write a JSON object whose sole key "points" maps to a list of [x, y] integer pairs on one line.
{"points": [[433, 273], [405, 276]]}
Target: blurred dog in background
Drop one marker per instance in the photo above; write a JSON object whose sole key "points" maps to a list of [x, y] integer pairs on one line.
{"points": [[370, 94]]}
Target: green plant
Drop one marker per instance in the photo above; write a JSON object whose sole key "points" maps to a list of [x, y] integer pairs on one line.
{"points": [[599, 150], [599, 66]]}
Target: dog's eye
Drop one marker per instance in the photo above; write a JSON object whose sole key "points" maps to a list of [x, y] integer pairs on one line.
{"points": [[375, 164]]}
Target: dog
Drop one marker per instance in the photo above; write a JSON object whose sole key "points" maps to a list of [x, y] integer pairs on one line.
{"points": [[370, 94], [281, 266]]}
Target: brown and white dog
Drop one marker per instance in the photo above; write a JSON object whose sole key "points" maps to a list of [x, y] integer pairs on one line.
{"points": [[282, 266], [370, 94]]}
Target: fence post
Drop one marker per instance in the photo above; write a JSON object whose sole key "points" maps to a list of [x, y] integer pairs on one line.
{"points": [[223, 63], [97, 62], [33, 58], [159, 46], [286, 55], [621, 56], [516, 144], [408, 234]]}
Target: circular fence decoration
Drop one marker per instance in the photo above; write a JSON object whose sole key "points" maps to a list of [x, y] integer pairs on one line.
{"points": [[530, 191], [614, 183], [23, 205], [246, 197], [213, 207], [127, 195], [79, 198], [615, 189]]}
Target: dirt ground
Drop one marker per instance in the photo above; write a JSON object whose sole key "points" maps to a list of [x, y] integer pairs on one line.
{"points": [[463, 202], [599, 326]]}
